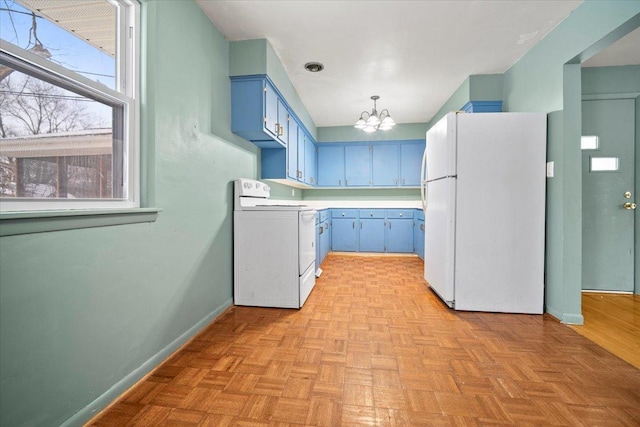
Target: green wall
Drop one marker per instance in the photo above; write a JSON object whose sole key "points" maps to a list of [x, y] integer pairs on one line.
{"points": [[401, 131], [480, 87], [546, 79], [85, 313], [360, 194]]}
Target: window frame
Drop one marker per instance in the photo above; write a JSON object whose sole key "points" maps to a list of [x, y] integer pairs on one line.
{"points": [[125, 96]]}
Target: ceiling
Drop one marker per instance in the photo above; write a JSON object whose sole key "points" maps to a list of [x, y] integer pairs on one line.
{"points": [[625, 51], [413, 54]]}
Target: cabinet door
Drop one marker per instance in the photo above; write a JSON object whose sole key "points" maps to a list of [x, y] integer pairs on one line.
{"points": [[293, 171], [384, 165], [357, 165], [344, 235], [271, 110], [319, 231], [330, 166], [372, 235], [400, 235], [410, 163], [283, 118], [309, 161], [418, 238], [325, 240]]}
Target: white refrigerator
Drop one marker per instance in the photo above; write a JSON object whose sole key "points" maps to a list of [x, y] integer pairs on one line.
{"points": [[483, 193]]}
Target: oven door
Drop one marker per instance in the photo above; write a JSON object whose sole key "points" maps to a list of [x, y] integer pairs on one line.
{"points": [[306, 240]]}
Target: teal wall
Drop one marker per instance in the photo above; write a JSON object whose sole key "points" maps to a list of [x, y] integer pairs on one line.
{"points": [[619, 82], [85, 313], [543, 80], [401, 131], [248, 57], [361, 194], [480, 87], [486, 87]]}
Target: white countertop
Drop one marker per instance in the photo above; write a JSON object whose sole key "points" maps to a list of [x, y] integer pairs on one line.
{"points": [[364, 204]]}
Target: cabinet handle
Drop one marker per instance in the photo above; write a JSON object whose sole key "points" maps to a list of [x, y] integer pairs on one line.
{"points": [[321, 231], [342, 213], [360, 225], [421, 227], [353, 224], [400, 214], [389, 225]]}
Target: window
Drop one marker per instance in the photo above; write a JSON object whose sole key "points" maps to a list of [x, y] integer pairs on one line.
{"points": [[69, 129], [604, 164], [589, 142]]}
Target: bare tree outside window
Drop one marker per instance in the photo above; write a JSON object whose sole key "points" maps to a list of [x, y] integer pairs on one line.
{"points": [[54, 143]]}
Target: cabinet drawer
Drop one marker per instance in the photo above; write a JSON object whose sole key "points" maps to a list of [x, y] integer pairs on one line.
{"points": [[344, 213], [371, 213], [400, 213]]}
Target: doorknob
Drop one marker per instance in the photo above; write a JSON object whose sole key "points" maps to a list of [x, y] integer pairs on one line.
{"points": [[627, 194], [630, 205]]}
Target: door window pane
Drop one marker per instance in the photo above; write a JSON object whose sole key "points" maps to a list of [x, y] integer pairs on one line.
{"points": [[604, 164], [589, 142]]}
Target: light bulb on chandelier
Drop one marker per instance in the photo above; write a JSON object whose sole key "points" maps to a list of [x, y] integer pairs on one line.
{"points": [[371, 122]]}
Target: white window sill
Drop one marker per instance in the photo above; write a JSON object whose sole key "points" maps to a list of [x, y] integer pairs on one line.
{"points": [[14, 223]]}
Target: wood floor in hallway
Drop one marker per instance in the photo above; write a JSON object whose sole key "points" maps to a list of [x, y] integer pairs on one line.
{"points": [[373, 346]]}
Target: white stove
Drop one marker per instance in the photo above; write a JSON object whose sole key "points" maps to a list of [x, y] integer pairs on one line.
{"points": [[274, 248]]}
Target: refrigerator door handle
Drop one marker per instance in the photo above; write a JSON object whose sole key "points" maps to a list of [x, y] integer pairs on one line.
{"points": [[423, 181]]}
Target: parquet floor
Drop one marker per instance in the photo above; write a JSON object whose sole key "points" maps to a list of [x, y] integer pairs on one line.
{"points": [[612, 321], [374, 347]]}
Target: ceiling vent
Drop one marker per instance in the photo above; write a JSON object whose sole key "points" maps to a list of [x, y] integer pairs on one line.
{"points": [[314, 67]]}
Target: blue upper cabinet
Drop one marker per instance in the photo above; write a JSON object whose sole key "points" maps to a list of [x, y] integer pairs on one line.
{"points": [[370, 164], [293, 172], [309, 171], [258, 112], [330, 165], [296, 163], [357, 165], [410, 164], [384, 165]]}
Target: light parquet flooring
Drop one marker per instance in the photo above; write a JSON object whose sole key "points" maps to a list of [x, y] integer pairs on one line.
{"points": [[612, 321], [374, 347]]}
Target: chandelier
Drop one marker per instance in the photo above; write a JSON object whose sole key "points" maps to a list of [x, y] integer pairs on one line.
{"points": [[371, 122]]}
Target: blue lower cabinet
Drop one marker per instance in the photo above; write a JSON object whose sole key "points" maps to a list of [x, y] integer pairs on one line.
{"points": [[400, 235], [344, 234], [325, 240], [372, 235]]}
